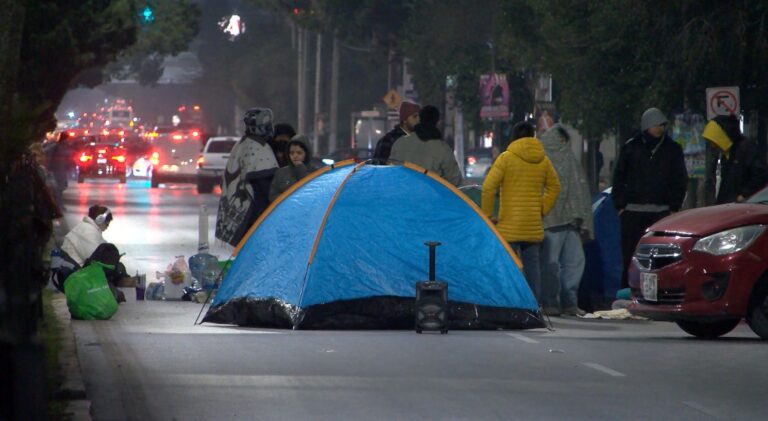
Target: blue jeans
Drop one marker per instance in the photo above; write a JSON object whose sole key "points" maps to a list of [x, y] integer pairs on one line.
{"points": [[529, 255], [562, 266]]}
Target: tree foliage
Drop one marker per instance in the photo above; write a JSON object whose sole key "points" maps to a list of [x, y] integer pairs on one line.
{"points": [[53, 44], [173, 26], [610, 59]]}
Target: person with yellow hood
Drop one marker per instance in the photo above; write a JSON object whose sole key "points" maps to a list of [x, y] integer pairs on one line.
{"points": [[528, 187], [740, 170]]}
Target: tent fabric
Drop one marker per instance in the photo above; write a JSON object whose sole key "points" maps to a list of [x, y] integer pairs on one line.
{"points": [[345, 248]]}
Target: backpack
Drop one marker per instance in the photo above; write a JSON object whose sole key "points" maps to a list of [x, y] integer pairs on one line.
{"points": [[62, 265]]}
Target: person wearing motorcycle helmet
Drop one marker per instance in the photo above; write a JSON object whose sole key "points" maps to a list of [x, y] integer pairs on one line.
{"points": [[247, 178]]}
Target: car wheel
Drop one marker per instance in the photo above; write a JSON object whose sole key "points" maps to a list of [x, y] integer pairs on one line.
{"points": [[757, 313], [708, 330], [203, 187]]}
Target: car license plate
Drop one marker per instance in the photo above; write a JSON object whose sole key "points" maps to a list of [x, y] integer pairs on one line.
{"points": [[650, 285], [101, 161]]}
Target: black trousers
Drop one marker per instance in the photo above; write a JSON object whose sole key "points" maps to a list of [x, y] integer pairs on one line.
{"points": [[633, 226]]}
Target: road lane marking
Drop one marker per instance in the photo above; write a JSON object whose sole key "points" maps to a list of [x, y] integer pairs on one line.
{"points": [[699, 407], [604, 369], [523, 338]]}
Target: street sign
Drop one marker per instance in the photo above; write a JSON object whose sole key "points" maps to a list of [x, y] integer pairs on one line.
{"points": [[392, 99], [723, 101]]}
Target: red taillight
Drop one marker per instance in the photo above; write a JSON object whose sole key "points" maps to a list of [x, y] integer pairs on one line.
{"points": [[119, 158], [200, 161], [85, 132], [471, 160], [102, 151], [121, 133], [177, 137], [105, 132], [155, 159], [195, 133], [85, 158]]}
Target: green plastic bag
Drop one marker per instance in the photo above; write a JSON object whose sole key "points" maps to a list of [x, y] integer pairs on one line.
{"points": [[88, 294]]}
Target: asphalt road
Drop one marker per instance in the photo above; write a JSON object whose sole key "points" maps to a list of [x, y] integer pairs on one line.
{"points": [[151, 362]]}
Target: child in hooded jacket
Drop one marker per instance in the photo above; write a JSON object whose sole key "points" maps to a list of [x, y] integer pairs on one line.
{"points": [[299, 155]]}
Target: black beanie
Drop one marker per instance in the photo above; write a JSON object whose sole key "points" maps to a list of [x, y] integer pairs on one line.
{"points": [[106, 253], [429, 115]]}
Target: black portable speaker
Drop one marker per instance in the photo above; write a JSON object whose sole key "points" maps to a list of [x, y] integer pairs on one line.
{"points": [[431, 306]]}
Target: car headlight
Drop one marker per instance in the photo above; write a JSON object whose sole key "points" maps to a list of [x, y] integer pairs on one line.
{"points": [[729, 241]]}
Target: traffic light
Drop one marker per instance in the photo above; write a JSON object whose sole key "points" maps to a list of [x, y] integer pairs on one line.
{"points": [[147, 15]]}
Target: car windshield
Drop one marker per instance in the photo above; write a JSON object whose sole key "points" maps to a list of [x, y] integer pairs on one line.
{"points": [[221, 146], [760, 197]]}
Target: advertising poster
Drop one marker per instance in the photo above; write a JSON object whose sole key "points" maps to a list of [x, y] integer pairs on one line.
{"points": [[686, 130], [494, 97]]}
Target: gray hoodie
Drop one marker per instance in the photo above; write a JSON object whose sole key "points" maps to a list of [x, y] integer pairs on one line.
{"points": [[574, 203], [288, 175]]}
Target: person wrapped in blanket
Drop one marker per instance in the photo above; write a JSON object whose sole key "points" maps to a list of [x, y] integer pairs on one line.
{"points": [[91, 292]]}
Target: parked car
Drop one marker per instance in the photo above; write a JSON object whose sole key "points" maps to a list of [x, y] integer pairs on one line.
{"points": [[101, 160], [212, 162], [477, 162], [174, 155], [706, 269]]}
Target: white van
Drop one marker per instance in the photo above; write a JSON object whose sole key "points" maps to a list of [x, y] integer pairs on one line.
{"points": [[213, 161]]}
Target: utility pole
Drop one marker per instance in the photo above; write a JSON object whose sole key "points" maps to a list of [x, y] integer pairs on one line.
{"points": [[334, 112], [318, 74]]}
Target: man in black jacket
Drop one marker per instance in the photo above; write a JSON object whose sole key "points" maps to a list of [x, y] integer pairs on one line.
{"points": [[741, 168], [649, 181], [409, 118]]}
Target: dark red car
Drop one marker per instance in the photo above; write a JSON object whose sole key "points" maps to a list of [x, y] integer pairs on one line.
{"points": [[706, 269], [101, 160]]}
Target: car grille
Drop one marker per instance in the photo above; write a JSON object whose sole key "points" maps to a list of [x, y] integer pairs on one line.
{"points": [[657, 256], [670, 296]]}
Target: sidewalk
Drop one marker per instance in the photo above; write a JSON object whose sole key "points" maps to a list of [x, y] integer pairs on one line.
{"points": [[72, 391], [78, 407]]}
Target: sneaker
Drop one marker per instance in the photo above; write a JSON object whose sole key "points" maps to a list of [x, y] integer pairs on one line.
{"points": [[573, 311], [552, 311]]}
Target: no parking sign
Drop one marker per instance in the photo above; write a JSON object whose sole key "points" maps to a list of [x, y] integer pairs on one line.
{"points": [[723, 101]]}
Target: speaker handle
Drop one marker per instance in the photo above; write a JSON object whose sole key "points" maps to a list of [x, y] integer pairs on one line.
{"points": [[432, 246]]}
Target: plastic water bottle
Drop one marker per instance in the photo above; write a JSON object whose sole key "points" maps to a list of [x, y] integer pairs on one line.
{"points": [[204, 267]]}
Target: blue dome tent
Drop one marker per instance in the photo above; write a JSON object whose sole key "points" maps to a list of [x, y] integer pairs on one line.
{"points": [[343, 249]]}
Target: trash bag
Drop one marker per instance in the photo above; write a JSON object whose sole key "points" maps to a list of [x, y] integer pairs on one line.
{"points": [[89, 296]]}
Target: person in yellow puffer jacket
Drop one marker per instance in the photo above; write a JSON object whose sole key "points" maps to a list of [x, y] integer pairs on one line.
{"points": [[528, 187]]}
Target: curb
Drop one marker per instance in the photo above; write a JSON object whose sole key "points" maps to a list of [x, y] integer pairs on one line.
{"points": [[72, 391]]}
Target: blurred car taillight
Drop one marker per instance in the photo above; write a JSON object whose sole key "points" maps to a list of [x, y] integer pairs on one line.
{"points": [[195, 133], [178, 137], [471, 160], [200, 161], [85, 157], [119, 158], [155, 159]]}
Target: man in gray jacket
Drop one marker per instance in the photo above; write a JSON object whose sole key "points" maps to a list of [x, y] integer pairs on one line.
{"points": [[426, 148], [564, 228]]}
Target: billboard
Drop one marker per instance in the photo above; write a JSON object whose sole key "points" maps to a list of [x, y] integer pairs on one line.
{"points": [[494, 97]]}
